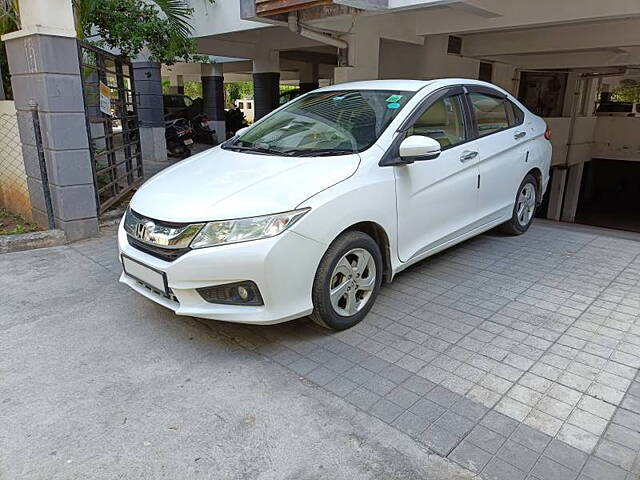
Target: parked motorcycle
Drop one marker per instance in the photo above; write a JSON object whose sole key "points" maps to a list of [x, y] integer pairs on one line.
{"points": [[202, 130], [179, 137]]}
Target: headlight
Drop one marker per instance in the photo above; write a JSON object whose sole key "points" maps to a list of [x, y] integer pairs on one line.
{"points": [[245, 229]]}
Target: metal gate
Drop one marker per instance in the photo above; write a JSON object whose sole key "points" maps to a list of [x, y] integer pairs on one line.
{"points": [[112, 123]]}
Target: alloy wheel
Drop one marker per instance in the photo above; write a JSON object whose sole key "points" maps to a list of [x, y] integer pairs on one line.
{"points": [[352, 282], [526, 204]]}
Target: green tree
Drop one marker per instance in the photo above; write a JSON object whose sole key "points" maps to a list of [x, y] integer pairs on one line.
{"points": [[236, 90], [9, 22], [193, 89], [130, 26], [627, 91]]}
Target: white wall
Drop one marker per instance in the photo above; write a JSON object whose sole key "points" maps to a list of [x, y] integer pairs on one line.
{"points": [[217, 18], [617, 138]]}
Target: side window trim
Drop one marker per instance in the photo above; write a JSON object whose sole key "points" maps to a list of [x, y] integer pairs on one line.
{"points": [[391, 155], [491, 93]]}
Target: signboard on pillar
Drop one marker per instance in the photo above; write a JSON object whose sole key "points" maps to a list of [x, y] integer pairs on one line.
{"points": [[105, 99]]}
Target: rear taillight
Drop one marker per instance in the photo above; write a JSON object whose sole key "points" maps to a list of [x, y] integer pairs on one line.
{"points": [[547, 133]]}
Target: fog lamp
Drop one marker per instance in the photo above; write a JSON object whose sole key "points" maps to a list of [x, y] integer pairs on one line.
{"points": [[237, 293]]}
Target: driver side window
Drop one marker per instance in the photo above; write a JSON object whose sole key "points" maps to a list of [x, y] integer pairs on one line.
{"points": [[442, 121]]}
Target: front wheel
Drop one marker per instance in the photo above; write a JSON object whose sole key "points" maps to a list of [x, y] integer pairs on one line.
{"points": [[524, 208], [347, 281]]}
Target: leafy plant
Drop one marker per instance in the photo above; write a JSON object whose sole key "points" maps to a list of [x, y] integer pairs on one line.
{"points": [[12, 223], [130, 26], [9, 21], [627, 91], [235, 91]]}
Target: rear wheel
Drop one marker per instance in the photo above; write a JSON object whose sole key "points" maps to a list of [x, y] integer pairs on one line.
{"points": [[347, 281], [524, 208]]}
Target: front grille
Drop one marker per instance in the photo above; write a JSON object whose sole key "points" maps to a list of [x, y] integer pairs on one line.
{"points": [[166, 254]]}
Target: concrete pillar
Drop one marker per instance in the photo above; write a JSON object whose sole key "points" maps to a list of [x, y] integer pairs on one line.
{"points": [[308, 77], [2, 94], [556, 193], [572, 192], [213, 97], [363, 57], [266, 83], [504, 75], [572, 94], [176, 84], [436, 59], [150, 110], [43, 61]]}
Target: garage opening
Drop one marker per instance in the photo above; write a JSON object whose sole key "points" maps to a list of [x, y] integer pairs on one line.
{"points": [[610, 195]]}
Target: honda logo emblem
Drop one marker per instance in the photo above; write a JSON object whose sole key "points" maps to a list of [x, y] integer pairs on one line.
{"points": [[145, 230]]}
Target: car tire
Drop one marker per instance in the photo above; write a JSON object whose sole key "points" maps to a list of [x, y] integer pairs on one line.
{"points": [[352, 267], [524, 207]]}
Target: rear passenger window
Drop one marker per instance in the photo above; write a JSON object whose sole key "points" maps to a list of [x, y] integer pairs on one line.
{"points": [[491, 113], [442, 121]]}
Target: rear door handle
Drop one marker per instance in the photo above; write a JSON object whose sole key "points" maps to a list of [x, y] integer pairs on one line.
{"points": [[519, 134], [468, 155]]}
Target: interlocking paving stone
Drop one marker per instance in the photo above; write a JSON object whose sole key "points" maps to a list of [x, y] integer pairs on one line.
{"points": [[547, 469], [470, 456], [566, 455], [531, 438], [439, 440], [597, 469], [455, 424], [616, 454], [486, 439], [498, 469], [518, 455], [411, 424], [516, 356], [499, 423]]}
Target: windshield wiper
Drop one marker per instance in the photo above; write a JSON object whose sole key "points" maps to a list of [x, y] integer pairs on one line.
{"points": [[321, 152], [254, 148]]}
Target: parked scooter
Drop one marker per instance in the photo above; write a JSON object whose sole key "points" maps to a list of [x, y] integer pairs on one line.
{"points": [[202, 131], [179, 137]]}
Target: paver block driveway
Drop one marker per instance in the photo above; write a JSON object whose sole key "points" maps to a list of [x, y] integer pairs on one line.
{"points": [[515, 357]]}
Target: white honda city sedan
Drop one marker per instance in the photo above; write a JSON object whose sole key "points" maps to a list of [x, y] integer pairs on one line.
{"points": [[307, 211]]}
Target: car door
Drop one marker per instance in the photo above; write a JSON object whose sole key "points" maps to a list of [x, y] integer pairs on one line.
{"points": [[436, 199], [502, 151]]}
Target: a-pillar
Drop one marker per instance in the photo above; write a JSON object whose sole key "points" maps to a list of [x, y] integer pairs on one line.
{"points": [[148, 83], [213, 97], [43, 62], [266, 83], [308, 77], [363, 56]]}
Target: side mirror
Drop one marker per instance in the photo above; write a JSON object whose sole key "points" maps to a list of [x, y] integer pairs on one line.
{"points": [[240, 131], [418, 147]]}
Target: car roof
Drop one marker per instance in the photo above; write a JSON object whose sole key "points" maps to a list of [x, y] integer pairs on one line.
{"points": [[405, 85]]}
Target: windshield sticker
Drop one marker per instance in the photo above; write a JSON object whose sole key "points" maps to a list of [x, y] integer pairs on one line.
{"points": [[394, 99], [393, 106], [337, 99]]}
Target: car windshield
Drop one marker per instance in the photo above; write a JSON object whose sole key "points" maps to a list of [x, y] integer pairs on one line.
{"points": [[336, 122]]}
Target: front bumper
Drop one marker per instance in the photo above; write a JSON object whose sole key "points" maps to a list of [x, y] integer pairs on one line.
{"points": [[283, 267]]}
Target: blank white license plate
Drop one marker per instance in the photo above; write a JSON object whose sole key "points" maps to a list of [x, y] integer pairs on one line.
{"points": [[142, 273], [188, 141]]}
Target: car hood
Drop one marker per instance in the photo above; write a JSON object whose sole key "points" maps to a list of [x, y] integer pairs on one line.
{"points": [[221, 184]]}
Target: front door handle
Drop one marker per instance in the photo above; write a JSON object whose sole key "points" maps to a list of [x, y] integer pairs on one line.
{"points": [[468, 155], [519, 134]]}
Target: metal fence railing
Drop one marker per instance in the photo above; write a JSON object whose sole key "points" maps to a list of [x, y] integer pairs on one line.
{"points": [[14, 193]]}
